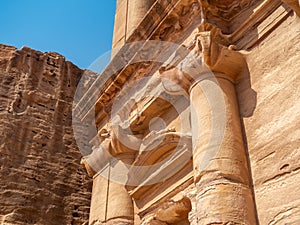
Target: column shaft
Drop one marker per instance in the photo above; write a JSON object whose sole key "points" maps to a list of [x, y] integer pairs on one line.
{"points": [[137, 9], [224, 193], [111, 203]]}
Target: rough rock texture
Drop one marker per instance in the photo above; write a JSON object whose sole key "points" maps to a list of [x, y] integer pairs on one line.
{"points": [[273, 129], [41, 179]]}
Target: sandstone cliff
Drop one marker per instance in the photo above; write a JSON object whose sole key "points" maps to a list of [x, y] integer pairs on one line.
{"points": [[41, 179]]}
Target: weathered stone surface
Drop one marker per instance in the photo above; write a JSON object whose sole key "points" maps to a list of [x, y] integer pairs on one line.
{"points": [[223, 183], [294, 4], [137, 9], [118, 208], [253, 177], [272, 126], [41, 178], [129, 13]]}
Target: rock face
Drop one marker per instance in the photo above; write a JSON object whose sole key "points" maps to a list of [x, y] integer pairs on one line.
{"points": [[208, 135], [41, 178]]}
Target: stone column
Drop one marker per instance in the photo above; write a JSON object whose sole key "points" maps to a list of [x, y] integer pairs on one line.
{"points": [[129, 13], [223, 189], [137, 9], [111, 203]]}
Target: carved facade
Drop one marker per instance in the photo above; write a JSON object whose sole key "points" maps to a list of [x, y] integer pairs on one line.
{"points": [[206, 129]]}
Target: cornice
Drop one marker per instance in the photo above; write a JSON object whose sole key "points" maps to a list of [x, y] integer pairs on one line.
{"points": [[174, 21], [227, 10], [265, 18]]}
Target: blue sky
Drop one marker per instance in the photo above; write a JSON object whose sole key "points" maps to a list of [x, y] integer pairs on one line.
{"points": [[81, 30]]}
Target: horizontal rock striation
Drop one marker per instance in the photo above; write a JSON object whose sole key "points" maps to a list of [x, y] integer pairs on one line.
{"points": [[272, 125]]}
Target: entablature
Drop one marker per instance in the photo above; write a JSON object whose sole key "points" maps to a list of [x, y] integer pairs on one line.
{"points": [[174, 21]]}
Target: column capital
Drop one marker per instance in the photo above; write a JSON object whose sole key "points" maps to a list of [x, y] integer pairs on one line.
{"points": [[210, 52], [217, 53], [117, 143]]}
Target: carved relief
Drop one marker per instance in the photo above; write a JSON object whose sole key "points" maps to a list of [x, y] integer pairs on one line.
{"points": [[170, 212], [226, 10], [210, 51], [174, 211], [213, 52], [162, 150], [218, 55], [177, 22]]}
